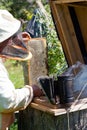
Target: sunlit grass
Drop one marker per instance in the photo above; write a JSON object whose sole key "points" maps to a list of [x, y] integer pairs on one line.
{"points": [[15, 71]]}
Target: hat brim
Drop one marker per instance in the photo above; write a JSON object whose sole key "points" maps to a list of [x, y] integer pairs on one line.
{"points": [[28, 57], [8, 25]]}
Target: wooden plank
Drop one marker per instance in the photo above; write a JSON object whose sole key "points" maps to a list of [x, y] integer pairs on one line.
{"points": [[59, 110], [45, 102], [72, 43], [66, 33], [46, 109], [80, 5], [68, 1], [81, 13]]}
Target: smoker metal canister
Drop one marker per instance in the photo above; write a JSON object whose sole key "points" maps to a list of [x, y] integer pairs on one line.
{"points": [[65, 84]]}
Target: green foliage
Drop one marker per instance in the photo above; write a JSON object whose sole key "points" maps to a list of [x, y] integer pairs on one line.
{"points": [[14, 126], [56, 58], [19, 8], [6, 4]]}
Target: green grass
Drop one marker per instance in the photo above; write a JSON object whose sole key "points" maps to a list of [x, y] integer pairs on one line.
{"points": [[14, 126], [15, 71]]}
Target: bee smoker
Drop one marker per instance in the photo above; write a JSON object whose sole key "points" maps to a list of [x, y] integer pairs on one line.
{"points": [[65, 86], [50, 87], [58, 91]]}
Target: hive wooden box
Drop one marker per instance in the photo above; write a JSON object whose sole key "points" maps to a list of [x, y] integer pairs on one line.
{"points": [[70, 19]]}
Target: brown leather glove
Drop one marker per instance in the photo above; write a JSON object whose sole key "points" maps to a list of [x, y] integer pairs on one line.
{"points": [[37, 91]]}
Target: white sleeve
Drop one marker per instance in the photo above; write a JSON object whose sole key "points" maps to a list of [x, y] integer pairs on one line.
{"points": [[12, 99]]}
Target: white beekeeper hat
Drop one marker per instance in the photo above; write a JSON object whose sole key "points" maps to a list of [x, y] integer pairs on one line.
{"points": [[8, 25], [13, 48]]}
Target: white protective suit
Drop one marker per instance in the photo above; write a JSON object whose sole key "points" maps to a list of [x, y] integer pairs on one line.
{"points": [[11, 99]]}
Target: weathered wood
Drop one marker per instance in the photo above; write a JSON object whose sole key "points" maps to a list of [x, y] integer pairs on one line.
{"points": [[59, 109], [68, 1], [67, 31], [37, 66], [51, 117], [38, 63], [34, 119], [81, 13]]}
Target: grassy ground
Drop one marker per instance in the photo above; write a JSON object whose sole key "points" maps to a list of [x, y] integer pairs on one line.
{"points": [[16, 75]]}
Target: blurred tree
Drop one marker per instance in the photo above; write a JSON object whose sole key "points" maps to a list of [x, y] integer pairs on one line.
{"points": [[19, 8]]}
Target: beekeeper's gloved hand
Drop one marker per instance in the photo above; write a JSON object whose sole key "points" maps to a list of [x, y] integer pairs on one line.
{"points": [[37, 92]]}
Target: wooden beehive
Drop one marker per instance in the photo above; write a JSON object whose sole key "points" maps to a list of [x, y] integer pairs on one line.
{"points": [[70, 19]]}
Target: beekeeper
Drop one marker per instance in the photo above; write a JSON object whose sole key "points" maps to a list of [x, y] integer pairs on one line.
{"points": [[12, 46]]}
